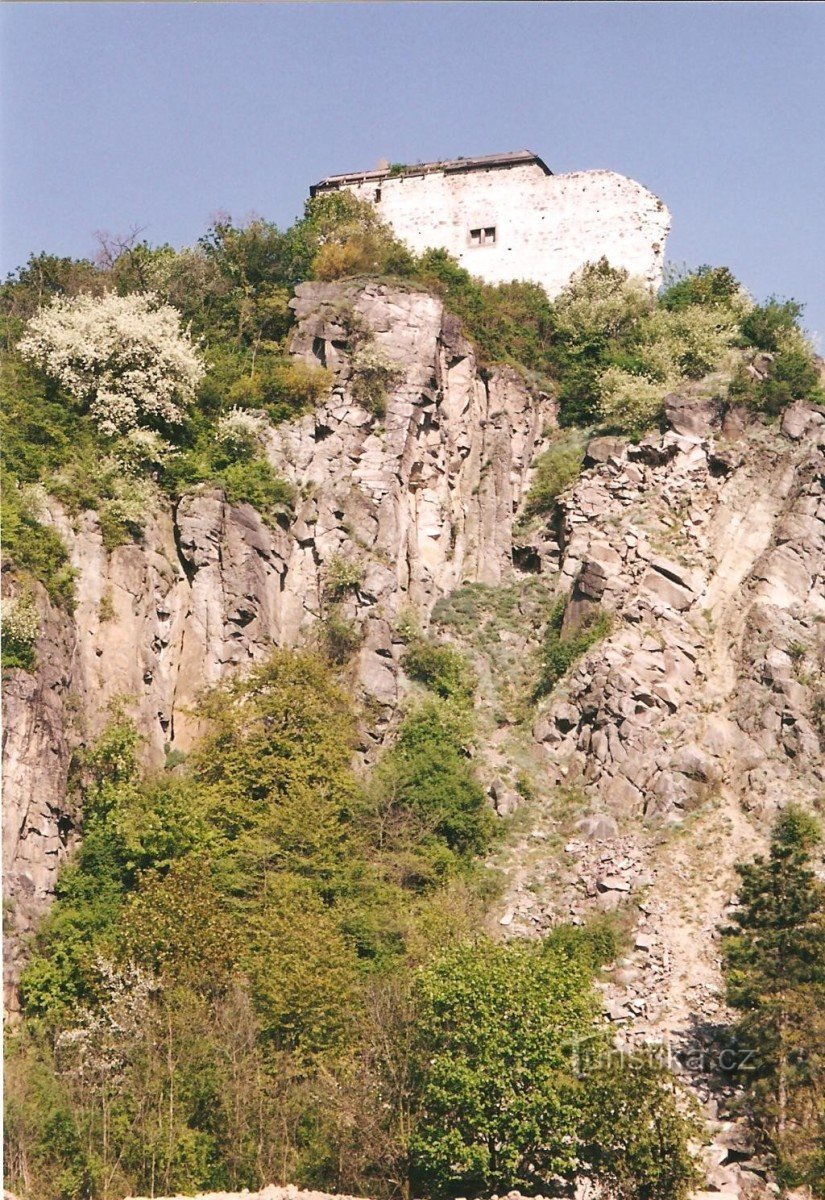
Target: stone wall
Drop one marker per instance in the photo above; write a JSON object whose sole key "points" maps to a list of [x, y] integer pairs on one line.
{"points": [[547, 226]]}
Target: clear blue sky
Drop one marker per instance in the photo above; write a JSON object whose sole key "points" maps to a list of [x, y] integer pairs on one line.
{"points": [[161, 115]]}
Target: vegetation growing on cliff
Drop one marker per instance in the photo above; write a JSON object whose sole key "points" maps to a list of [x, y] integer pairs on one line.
{"points": [[775, 959], [118, 373], [250, 968]]}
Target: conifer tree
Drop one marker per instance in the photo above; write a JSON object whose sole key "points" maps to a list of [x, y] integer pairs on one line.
{"points": [[775, 959]]}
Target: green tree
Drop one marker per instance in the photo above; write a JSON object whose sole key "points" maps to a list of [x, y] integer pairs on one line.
{"points": [[634, 1134], [775, 962], [500, 1101]]}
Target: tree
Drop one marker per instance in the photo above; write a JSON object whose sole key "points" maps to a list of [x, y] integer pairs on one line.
{"points": [[775, 961], [634, 1136], [122, 357], [499, 1101]]}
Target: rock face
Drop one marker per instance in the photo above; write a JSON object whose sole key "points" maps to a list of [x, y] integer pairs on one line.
{"points": [[417, 501], [714, 574], [670, 744]]}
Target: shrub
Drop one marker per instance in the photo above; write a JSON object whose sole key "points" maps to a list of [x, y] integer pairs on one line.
{"points": [[559, 653], [443, 669], [123, 357], [20, 628], [339, 638], [706, 286], [792, 375], [34, 548], [498, 1105], [767, 326], [341, 575], [282, 388], [637, 1128], [427, 773], [256, 482], [373, 374], [241, 433], [599, 303], [555, 470], [628, 403]]}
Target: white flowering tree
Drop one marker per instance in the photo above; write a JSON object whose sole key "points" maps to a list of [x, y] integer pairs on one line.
{"points": [[124, 357]]}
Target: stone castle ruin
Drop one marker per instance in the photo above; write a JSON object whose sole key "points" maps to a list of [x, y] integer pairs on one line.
{"points": [[507, 216]]}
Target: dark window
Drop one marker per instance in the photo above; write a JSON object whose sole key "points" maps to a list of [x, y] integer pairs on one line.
{"points": [[377, 195], [483, 237]]}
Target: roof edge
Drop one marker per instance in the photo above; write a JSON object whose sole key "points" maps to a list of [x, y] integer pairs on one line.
{"points": [[450, 166]]}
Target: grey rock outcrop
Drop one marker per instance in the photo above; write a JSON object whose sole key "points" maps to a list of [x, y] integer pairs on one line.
{"points": [[418, 501]]}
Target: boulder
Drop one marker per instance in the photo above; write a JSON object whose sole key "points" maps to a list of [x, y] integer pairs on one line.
{"points": [[602, 449], [692, 414]]}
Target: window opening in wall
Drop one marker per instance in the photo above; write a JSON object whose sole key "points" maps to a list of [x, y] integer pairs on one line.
{"points": [[377, 195], [483, 237]]}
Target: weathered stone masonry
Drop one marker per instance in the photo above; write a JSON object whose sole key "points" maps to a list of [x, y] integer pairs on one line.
{"points": [[508, 217]]}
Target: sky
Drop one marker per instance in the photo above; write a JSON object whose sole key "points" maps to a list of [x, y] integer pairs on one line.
{"points": [[116, 116]]}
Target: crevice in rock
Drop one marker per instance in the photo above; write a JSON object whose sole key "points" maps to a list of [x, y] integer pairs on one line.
{"points": [[189, 569]]}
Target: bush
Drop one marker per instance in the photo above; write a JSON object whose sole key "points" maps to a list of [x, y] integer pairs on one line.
{"points": [[443, 669], [33, 548], [373, 374], [339, 638], [241, 433], [341, 575], [768, 326], [637, 1127], [629, 404], [256, 482], [555, 470], [792, 375], [20, 628], [282, 388], [499, 1098], [428, 774], [123, 357], [706, 286], [559, 652]]}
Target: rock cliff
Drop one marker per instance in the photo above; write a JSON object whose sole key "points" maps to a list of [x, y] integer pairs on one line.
{"points": [[416, 501], [654, 766]]}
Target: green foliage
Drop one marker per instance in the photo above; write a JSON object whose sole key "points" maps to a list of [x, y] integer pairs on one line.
{"points": [[427, 777], [342, 236], [21, 625], [342, 575], [36, 550], [555, 470], [635, 1134], [339, 637], [281, 388], [768, 326], [561, 650], [443, 669], [499, 1103], [707, 286], [775, 961], [595, 945], [792, 375], [373, 374], [256, 483], [509, 322]]}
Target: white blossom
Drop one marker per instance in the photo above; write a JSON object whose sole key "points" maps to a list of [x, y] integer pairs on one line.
{"points": [[123, 356], [21, 623], [241, 431]]}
